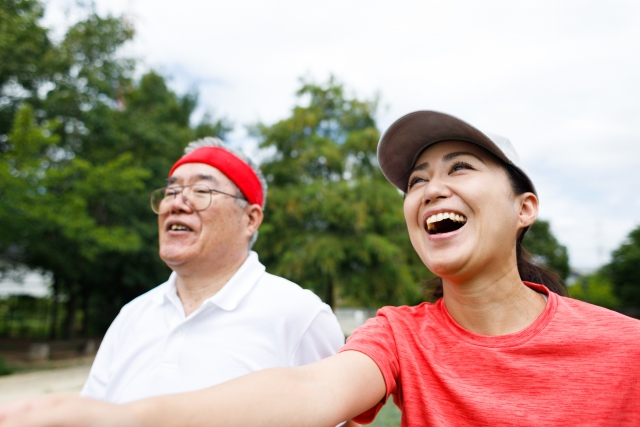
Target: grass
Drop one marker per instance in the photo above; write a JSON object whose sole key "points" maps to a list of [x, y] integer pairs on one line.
{"points": [[389, 416]]}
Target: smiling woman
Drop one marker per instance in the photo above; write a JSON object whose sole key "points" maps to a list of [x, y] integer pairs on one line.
{"points": [[502, 346], [462, 159]]}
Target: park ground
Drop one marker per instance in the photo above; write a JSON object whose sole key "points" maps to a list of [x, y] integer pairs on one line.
{"points": [[55, 377], [68, 376]]}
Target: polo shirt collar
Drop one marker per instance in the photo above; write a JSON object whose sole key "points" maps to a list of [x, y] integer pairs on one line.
{"points": [[240, 284], [231, 293]]}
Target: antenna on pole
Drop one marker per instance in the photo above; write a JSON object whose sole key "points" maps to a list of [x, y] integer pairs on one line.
{"points": [[599, 247]]}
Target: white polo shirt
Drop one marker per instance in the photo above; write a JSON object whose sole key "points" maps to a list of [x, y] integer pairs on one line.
{"points": [[255, 321]]}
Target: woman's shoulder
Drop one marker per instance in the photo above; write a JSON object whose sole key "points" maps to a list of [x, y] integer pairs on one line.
{"points": [[595, 312], [600, 321], [406, 314], [396, 325], [410, 310]]}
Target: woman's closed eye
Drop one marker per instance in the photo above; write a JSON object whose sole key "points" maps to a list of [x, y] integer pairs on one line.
{"points": [[458, 166], [416, 180]]}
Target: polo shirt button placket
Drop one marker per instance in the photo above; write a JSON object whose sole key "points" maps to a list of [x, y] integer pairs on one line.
{"points": [[174, 346]]}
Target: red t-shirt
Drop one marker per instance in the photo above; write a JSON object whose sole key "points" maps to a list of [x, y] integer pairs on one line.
{"points": [[576, 365]]}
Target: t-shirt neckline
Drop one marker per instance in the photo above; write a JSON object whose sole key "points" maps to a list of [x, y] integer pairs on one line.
{"points": [[509, 340]]}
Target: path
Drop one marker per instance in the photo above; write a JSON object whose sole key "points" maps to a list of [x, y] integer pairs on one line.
{"points": [[62, 380]]}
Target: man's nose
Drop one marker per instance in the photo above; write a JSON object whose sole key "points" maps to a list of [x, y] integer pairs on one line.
{"points": [[180, 203]]}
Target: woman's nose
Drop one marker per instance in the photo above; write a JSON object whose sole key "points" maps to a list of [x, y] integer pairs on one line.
{"points": [[436, 188]]}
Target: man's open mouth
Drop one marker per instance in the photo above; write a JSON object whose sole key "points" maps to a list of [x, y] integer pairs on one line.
{"points": [[445, 222], [179, 227]]}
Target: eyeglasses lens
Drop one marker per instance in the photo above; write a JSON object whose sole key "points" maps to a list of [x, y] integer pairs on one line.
{"points": [[197, 197]]}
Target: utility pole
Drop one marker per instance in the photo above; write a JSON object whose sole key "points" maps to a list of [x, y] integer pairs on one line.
{"points": [[599, 247]]}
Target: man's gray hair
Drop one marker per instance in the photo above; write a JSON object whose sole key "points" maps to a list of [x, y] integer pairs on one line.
{"points": [[210, 141]]}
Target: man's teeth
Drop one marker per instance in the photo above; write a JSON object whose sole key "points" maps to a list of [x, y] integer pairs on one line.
{"points": [[178, 227], [446, 215]]}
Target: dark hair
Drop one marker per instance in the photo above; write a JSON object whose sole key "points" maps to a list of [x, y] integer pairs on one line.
{"points": [[528, 269]]}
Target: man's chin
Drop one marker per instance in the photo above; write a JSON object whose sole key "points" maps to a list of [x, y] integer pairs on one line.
{"points": [[173, 260]]}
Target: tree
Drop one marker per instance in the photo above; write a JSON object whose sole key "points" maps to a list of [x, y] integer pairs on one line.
{"points": [[82, 146], [542, 244], [27, 57], [51, 204], [623, 271], [596, 289], [333, 223]]}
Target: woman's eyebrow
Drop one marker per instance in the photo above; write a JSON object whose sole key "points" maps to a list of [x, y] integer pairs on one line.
{"points": [[455, 154], [446, 158], [420, 167]]}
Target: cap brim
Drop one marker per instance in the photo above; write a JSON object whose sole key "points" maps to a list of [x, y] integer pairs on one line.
{"points": [[408, 136]]}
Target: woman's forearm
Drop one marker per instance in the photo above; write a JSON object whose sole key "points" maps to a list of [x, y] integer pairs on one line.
{"points": [[321, 394], [267, 398]]}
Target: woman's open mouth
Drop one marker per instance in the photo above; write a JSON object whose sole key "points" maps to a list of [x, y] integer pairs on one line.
{"points": [[445, 222]]}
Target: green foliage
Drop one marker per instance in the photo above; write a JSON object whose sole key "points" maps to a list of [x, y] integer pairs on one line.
{"points": [[541, 243], [595, 289], [333, 224], [208, 126], [82, 146], [23, 316], [623, 271], [4, 369], [22, 37]]}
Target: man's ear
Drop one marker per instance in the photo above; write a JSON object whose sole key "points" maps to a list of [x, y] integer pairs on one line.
{"points": [[254, 217], [528, 209]]}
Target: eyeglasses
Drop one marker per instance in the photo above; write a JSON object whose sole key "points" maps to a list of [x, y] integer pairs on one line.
{"points": [[196, 196]]}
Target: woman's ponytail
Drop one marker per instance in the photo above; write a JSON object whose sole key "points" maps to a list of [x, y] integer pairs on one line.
{"points": [[531, 272]]}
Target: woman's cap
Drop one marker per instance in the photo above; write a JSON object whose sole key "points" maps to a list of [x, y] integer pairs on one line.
{"points": [[408, 137]]}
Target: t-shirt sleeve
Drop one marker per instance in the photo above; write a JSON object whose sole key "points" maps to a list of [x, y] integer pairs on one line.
{"points": [[323, 338], [98, 381], [375, 339]]}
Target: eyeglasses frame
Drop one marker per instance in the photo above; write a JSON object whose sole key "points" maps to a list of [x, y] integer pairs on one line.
{"points": [[182, 187]]}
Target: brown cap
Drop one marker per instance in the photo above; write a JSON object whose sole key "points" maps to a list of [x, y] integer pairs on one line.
{"points": [[408, 136]]}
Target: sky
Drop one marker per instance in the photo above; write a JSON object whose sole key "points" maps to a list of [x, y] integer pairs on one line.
{"points": [[559, 78]]}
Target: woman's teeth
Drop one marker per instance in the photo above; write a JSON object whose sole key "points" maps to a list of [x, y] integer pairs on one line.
{"points": [[178, 227], [446, 215], [434, 227]]}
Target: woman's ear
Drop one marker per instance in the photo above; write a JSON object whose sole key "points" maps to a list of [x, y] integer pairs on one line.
{"points": [[528, 209]]}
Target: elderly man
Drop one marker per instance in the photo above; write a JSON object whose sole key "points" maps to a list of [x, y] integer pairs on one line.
{"points": [[220, 315]]}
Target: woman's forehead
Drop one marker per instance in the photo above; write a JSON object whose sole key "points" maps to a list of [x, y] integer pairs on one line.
{"points": [[439, 150]]}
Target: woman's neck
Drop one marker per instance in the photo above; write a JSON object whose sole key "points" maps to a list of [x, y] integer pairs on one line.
{"points": [[495, 306]]}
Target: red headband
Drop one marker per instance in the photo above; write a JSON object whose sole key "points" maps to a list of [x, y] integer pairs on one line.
{"points": [[235, 169]]}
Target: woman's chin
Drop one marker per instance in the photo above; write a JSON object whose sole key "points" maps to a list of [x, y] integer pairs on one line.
{"points": [[445, 268]]}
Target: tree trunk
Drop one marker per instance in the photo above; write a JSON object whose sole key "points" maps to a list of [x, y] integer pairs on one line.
{"points": [[70, 320], [328, 298], [53, 325], [84, 328]]}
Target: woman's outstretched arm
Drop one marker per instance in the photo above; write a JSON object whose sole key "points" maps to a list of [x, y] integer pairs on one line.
{"points": [[321, 394]]}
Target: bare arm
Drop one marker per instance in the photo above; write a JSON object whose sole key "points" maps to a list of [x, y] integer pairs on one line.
{"points": [[320, 394]]}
